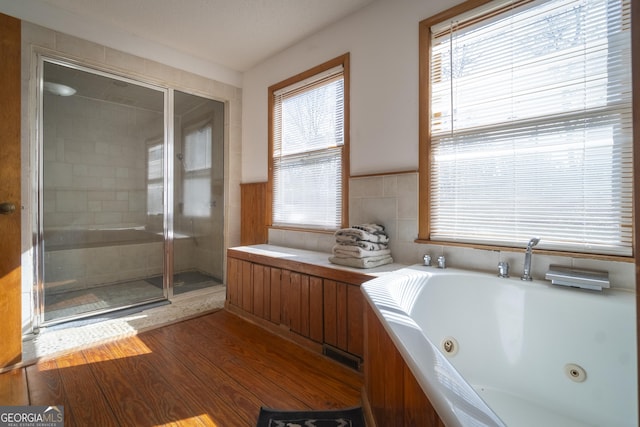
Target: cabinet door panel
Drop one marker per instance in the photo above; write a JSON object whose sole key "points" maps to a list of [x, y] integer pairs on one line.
{"points": [[330, 310], [341, 316], [355, 315], [315, 308], [303, 314], [234, 294], [274, 300], [285, 297], [293, 302], [259, 289], [247, 286]]}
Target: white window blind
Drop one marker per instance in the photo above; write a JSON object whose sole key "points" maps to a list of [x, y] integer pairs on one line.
{"points": [[308, 142], [531, 129]]}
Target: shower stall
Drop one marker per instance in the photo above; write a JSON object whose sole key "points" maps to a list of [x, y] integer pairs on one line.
{"points": [[131, 192]]}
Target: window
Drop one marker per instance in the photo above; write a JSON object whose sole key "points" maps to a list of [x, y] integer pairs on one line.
{"points": [[155, 177], [196, 163], [527, 125], [308, 154]]}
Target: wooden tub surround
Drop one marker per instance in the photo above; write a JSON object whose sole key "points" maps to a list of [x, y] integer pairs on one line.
{"points": [[300, 295], [391, 395]]}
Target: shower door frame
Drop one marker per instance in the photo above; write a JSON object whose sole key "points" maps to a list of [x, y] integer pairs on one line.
{"points": [[42, 56]]}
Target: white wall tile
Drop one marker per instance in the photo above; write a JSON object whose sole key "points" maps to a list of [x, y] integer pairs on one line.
{"points": [[392, 200]]}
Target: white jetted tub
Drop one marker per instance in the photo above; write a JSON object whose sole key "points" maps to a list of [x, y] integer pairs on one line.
{"points": [[489, 351]]}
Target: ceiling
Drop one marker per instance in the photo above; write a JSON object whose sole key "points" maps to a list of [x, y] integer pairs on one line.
{"points": [[237, 34]]}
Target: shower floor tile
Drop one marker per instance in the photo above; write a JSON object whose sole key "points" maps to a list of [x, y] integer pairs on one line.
{"points": [[186, 281], [86, 301]]}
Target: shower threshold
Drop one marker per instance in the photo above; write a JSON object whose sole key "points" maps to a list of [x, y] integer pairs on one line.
{"points": [[85, 303]]}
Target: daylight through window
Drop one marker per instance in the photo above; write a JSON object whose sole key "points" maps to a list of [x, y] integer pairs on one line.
{"points": [[530, 126], [308, 138]]}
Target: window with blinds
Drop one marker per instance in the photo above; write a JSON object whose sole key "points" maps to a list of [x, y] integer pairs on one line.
{"points": [[196, 169], [307, 150], [530, 126]]}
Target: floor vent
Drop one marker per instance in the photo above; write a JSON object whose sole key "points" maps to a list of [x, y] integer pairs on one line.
{"points": [[341, 356]]}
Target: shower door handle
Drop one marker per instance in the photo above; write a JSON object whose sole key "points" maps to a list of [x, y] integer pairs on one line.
{"points": [[7, 208]]}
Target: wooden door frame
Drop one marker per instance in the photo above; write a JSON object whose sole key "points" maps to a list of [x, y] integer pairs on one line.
{"points": [[10, 182]]}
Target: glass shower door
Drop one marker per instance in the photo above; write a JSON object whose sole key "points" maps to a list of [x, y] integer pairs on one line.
{"points": [[101, 229], [198, 193]]}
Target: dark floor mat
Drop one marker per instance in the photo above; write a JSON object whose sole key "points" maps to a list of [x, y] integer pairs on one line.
{"points": [[351, 417]]}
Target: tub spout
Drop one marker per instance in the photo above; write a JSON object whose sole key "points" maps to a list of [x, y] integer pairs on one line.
{"points": [[503, 269], [526, 272]]}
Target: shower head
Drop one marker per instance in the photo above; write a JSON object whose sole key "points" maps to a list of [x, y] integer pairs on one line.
{"points": [[180, 156]]}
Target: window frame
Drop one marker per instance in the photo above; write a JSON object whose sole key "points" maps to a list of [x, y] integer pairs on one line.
{"points": [[340, 60], [425, 160]]}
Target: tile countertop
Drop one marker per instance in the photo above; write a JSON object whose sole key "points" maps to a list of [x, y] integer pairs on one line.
{"points": [[316, 258]]}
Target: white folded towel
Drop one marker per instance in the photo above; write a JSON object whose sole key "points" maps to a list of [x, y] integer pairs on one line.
{"points": [[362, 262], [343, 251], [370, 246]]}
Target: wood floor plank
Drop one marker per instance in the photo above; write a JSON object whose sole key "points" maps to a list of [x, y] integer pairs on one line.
{"points": [[13, 388], [315, 379], [292, 353], [86, 402], [160, 396], [261, 384], [45, 385], [215, 370], [46, 388], [124, 389], [205, 386]]}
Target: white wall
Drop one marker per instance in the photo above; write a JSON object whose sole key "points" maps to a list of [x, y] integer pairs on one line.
{"points": [[383, 42]]}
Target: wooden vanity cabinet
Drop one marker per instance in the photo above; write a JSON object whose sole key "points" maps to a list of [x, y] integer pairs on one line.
{"points": [[316, 305], [302, 304], [343, 325]]}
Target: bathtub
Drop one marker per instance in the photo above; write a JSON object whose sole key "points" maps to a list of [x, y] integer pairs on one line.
{"points": [[489, 351]]}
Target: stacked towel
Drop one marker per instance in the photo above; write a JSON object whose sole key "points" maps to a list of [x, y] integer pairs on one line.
{"points": [[362, 246]]}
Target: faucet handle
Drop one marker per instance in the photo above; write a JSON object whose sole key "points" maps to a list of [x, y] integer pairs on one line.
{"points": [[442, 263], [427, 260]]}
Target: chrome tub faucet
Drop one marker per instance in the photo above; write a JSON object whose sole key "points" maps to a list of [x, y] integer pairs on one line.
{"points": [[503, 269], [426, 260], [526, 272]]}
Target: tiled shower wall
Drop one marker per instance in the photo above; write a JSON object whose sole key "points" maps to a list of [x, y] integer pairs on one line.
{"points": [[95, 162], [392, 200]]}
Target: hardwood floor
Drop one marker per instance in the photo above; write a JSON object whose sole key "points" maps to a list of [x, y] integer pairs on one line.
{"points": [[214, 370]]}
